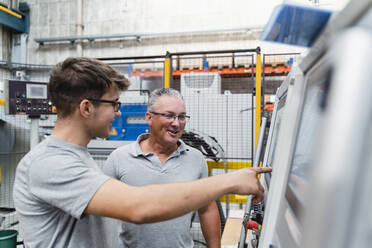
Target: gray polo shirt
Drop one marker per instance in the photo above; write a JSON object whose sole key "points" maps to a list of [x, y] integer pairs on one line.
{"points": [[130, 165], [53, 185]]}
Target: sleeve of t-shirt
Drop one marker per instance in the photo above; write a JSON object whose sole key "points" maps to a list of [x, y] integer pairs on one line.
{"points": [[66, 182], [110, 167], [204, 167]]}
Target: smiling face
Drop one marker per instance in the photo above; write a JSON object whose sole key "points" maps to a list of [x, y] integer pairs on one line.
{"points": [[163, 131], [104, 115]]}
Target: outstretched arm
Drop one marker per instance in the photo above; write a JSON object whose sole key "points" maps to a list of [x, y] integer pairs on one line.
{"points": [[146, 204]]}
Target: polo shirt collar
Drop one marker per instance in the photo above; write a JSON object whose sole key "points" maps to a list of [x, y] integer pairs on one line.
{"points": [[137, 151]]}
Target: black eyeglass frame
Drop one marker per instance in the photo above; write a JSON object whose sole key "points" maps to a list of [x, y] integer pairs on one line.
{"points": [[115, 104], [172, 117]]}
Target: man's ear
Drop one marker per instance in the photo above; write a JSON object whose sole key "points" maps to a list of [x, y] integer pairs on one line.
{"points": [[148, 117], [86, 108]]}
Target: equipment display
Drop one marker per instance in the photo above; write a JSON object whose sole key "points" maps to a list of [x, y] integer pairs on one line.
{"points": [[293, 158], [27, 98], [279, 148], [302, 160]]}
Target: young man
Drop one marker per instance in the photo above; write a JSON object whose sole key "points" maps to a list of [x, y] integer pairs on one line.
{"points": [[161, 157], [59, 191]]}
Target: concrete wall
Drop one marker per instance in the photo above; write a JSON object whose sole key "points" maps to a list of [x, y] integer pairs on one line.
{"points": [[56, 18]]}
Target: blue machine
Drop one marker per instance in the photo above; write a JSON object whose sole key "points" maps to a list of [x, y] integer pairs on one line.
{"points": [[131, 123]]}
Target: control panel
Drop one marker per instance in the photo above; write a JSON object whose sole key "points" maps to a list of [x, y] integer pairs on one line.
{"points": [[27, 98]]}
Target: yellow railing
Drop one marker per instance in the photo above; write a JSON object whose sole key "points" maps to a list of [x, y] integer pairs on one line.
{"points": [[230, 165]]}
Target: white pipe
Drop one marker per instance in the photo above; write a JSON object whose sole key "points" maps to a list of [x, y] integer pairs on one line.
{"points": [[73, 38]]}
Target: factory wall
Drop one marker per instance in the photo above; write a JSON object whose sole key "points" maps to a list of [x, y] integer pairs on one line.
{"points": [[59, 18]]}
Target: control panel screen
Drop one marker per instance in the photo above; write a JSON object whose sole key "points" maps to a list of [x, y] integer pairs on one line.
{"points": [[36, 91], [27, 98]]}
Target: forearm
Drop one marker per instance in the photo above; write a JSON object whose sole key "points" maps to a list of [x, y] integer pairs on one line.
{"points": [[173, 200], [211, 225], [155, 202]]}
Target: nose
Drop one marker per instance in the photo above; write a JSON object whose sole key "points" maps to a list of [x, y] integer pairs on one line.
{"points": [[175, 121], [118, 113]]}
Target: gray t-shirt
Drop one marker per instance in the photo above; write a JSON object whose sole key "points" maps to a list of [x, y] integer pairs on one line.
{"points": [[54, 183], [130, 165]]}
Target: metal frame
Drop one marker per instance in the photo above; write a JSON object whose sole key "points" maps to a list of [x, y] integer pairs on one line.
{"points": [[247, 209], [169, 80]]}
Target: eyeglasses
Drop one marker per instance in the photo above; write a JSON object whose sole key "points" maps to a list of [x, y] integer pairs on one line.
{"points": [[115, 104], [172, 117]]}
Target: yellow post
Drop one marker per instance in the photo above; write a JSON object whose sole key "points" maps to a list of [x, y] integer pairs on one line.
{"points": [[258, 98], [167, 71]]}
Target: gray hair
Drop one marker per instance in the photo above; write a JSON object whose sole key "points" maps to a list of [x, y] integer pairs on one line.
{"points": [[161, 92]]}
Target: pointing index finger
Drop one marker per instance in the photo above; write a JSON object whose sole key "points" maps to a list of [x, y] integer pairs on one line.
{"points": [[262, 170]]}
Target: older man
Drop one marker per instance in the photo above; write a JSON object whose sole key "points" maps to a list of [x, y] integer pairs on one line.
{"points": [[161, 157]]}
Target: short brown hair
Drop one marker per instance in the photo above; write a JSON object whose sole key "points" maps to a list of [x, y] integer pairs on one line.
{"points": [[80, 78]]}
